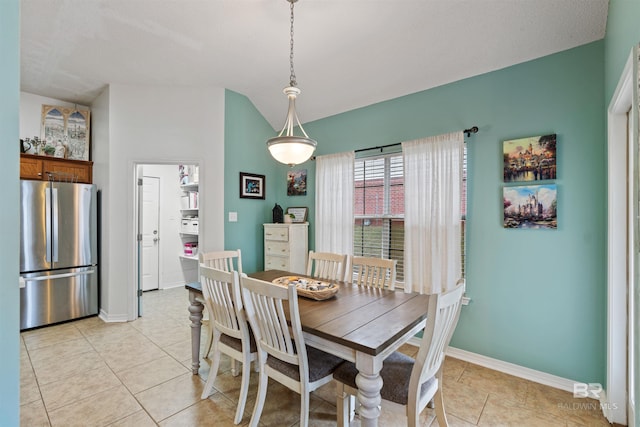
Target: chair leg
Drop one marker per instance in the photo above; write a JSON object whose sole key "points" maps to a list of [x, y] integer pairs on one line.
{"points": [[304, 408], [244, 388], [343, 405], [213, 371], [441, 415], [262, 394], [352, 407], [209, 344], [234, 367]]}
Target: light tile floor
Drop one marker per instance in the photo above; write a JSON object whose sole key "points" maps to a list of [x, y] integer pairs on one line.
{"points": [[89, 373]]}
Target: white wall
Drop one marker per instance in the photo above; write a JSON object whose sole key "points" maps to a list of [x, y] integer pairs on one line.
{"points": [[153, 124], [174, 271]]}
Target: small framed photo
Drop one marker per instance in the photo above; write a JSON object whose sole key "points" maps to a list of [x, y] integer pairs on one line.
{"points": [[299, 214], [252, 186]]}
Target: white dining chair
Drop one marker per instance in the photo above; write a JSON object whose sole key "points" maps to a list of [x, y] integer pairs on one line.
{"points": [[373, 272], [326, 265], [230, 330], [282, 353], [225, 261], [409, 385]]}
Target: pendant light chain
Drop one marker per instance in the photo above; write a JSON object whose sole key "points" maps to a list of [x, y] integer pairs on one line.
{"points": [[287, 147], [292, 78]]}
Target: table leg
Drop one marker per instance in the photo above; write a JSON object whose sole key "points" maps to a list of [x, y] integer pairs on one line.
{"points": [[195, 315], [369, 385]]}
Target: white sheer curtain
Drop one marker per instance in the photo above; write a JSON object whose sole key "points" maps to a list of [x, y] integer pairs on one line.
{"points": [[334, 203], [432, 227]]}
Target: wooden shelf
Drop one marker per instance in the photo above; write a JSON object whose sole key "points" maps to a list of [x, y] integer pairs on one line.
{"points": [[194, 258], [189, 186], [47, 168]]}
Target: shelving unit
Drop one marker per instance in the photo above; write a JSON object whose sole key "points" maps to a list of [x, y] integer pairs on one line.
{"points": [[189, 227]]}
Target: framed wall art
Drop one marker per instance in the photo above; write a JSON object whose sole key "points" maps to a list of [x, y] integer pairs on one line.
{"points": [[297, 183], [531, 206], [530, 159], [252, 186], [65, 132], [299, 214]]}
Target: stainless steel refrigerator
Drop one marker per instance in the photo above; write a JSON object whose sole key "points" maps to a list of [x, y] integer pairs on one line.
{"points": [[58, 252]]}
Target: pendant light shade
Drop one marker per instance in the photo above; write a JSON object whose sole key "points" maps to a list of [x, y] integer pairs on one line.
{"points": [[287, 147]]}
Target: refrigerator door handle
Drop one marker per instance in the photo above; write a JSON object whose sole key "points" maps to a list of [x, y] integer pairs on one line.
{"points": [[54, 222], [57, 276], [47, 223]]}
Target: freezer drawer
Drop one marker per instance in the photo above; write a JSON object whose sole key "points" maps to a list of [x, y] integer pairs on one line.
{"points": [[57, 296]]}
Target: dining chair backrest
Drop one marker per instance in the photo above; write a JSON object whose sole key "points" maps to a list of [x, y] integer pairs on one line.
{"points": [[220, 260], [221, 290], [229, 331], [223, 260], [409, 384], [373, 272], [282, 354], [442, 318], [268, 316], [326, 265]]}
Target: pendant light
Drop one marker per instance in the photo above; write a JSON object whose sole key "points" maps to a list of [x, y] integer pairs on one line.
{"points": [[288, 148]]}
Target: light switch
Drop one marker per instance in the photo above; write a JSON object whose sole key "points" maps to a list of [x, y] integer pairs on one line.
{"points": [[233, 216]]}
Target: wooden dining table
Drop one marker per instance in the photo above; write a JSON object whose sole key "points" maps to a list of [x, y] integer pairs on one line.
{"points": [[359, 324]]}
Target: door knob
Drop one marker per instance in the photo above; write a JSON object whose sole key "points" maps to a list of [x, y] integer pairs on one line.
{"points": [[155, 239]]}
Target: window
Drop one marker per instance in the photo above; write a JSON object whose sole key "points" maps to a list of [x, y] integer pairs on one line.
{"points": [[379, 209]]}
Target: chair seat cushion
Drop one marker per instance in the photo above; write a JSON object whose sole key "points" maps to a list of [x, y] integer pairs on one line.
{"points": [[236, 343], [321, 364], [395, 374]]}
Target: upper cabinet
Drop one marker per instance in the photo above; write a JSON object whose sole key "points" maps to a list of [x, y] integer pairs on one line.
{"points": [[55, 169]]}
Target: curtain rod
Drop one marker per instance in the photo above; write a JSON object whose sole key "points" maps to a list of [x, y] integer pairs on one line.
{"points": [[473, 129]]}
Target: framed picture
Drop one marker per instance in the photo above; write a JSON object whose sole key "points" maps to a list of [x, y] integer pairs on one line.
{"points": [[299, 214], [252, 186], [65, 132], [530, 159], [297, 183], [531, 206]]}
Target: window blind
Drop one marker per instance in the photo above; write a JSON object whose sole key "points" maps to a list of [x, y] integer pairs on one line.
{"points": [[379, 209]]}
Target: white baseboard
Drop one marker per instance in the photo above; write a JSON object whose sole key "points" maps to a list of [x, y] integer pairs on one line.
{"points": [[508, 368], [512, 369], [172, 285], [111, 318]]}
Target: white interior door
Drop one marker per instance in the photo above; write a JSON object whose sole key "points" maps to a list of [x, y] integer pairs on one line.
{"points": [[150, 233]]}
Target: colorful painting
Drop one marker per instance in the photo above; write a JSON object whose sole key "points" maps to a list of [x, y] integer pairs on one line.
{"points": [[532, 206], [297, 183], [530, 159]]}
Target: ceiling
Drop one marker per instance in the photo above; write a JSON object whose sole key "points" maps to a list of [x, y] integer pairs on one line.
{"points": [[348, 54]]}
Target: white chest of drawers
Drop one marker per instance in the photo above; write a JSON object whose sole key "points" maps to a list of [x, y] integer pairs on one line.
{"points": [[286, 247]]}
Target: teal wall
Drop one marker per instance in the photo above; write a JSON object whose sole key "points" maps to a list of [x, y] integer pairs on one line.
{"points": [[538, 297], [9, 214], [246, 133], [623, 32]]}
